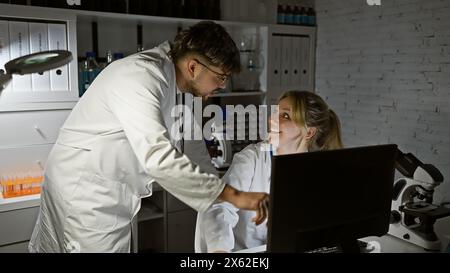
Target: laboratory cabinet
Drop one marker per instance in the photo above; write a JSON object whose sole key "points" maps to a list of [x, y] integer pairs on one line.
{"points": [[25, 30], [23, 128], [274, 59], [16, 228], [33, 108], [165, 224]]}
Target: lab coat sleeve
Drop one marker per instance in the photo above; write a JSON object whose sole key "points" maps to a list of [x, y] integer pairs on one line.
{"points": [[220, 219], [135, 102]]}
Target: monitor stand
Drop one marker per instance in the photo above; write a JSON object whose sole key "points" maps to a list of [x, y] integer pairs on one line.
{"points": [[321, 241]]}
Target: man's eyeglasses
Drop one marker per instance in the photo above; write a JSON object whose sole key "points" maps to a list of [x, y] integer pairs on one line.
{"points": [[222, 78]]}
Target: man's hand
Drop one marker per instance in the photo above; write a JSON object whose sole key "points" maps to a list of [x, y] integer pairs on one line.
{"points": [[257, 201]]}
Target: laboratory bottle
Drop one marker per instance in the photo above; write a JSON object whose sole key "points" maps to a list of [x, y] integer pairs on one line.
{"points": [[311, 17], [297, 16], [119, 6], [303, 17], [109, 57], [135, 6], [90, 70], [280, 15], [81, 77], [289, 16], [118, 55]]}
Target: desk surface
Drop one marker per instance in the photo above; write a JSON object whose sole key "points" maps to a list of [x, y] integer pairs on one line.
{"points": [[384, 244], [392, 244], [257, 249]]}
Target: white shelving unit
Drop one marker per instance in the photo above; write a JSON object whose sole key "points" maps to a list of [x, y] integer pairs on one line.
{"points": [[55, 94], [21, 202], [30, 119]]}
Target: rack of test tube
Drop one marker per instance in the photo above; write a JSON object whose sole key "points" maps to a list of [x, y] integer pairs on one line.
{"points": [[21, 183]]}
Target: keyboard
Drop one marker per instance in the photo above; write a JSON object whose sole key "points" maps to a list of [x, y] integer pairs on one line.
{"points": [[335, 249]]}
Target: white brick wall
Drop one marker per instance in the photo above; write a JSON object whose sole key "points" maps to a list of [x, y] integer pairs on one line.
{"points": [[386, 71]]}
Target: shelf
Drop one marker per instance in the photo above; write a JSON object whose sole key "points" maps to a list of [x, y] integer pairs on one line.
{"points": [[22, 202], [100, 15], [37, 106], [238, 94], [104, 16], [91, 15], [149, 212]]}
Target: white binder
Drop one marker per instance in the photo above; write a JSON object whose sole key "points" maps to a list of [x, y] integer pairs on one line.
{"points": [[38, 43], [286, 59], [276, 60], [19, 46], [305, 64], [296, 62], [57, 40], [4, 48]]}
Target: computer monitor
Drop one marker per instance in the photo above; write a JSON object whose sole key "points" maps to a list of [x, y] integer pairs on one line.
{"points": [[329, 199]]}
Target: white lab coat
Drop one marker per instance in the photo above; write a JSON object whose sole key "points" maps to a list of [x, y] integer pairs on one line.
{"points": [[114, 144], [223, 226]]}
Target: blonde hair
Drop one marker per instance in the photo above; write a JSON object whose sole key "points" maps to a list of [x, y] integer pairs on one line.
{"points": [[310, 110]]}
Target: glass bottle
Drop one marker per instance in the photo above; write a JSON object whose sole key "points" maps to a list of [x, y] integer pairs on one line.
{"points": [[280, 15], [90, 70], [118, 55], [311, 17], [288, 16], [109, 57], [303, 16], [297, 16]]}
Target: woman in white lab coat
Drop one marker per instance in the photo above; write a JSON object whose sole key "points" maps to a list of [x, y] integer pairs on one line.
{"points": [[304, 123], [118, 140]]}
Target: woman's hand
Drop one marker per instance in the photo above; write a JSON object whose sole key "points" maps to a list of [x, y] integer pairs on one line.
{"points": [[257, 201]]}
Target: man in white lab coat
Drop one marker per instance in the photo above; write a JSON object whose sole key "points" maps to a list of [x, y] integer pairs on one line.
{"points": [[118, 140]]}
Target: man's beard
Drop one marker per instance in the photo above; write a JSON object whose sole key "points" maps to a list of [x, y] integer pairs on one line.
{"points": [[193, 89]]}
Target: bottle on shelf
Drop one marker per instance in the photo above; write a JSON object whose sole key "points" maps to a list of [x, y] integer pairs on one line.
{"points": [[297, 16], [89, 71], [216, 10], [303, 17], [135, 6], [208, 8], [289, 15], [165, 8], [109, 59], [177, 8], [119, 6], [140, 43], [118, 55], [41, 3], [192, 9], [18, 2], [311, 17], [280, 15]]}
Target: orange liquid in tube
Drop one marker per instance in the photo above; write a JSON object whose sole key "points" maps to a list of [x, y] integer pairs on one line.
{"points": [[15, 186]]}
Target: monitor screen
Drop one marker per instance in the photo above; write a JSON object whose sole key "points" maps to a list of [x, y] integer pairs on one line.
{"points": [[330, 198]]}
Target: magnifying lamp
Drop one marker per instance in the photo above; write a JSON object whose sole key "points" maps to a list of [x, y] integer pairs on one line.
{"points": [[34, 63]]}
